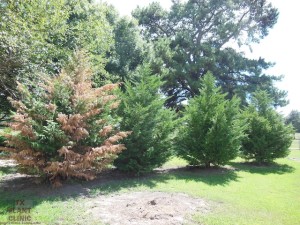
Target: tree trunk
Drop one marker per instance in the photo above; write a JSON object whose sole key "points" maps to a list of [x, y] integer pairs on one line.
{"points": [[207, 165]]}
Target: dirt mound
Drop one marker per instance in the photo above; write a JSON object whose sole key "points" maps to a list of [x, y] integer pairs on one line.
{"points": [[145, 208]]}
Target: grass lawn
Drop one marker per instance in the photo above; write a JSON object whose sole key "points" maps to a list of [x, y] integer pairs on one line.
{"points": [[295, 144], [239, 194]]}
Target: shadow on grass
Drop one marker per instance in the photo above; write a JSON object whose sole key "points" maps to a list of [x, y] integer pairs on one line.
{"points": [[14, 187], [27, 188], [109, 182], [265, 169], [211, 176]]}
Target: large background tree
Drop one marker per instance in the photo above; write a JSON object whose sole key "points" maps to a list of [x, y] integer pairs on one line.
{"points": [[129, 49], [195, 37]]}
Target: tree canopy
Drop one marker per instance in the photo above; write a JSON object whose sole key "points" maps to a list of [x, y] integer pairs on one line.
{"points": [[39, 37], [62, 122], [182, 44], [196, 36], [129, 49]]}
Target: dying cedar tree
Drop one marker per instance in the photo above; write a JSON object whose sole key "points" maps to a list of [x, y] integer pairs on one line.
{"points": [[142, 110], [63, 127], [212, 130], [268, 137]]}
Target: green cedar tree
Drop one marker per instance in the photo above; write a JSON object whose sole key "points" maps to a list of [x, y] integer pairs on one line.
{"points": [[142, 111], [212, 129], [268, 137]]}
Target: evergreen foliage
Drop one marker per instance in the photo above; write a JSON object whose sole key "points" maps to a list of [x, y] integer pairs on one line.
{"points": [[212, 129], [268, 137], [64, 127], [294, 119], [142, 111], [41, 35], [129, 50], [194, 36]]}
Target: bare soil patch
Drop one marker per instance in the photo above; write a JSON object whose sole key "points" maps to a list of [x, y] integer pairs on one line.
{"points": [[12, 178], [145, 208]]}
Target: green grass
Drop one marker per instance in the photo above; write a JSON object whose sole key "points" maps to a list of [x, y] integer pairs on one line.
{"points": [[175, 162], [248, 194], [260, 195], [295, 144]]}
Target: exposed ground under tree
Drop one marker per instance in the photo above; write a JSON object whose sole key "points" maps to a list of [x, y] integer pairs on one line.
{"points": [[157, 208]]}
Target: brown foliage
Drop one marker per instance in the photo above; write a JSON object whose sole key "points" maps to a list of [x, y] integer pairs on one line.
{"points": [[78, 156]]}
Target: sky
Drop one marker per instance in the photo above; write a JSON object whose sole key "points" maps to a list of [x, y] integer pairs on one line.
{"points": [[281, 46]]}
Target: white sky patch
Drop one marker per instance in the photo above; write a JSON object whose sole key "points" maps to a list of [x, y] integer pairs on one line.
{"points": [[125, 7], [281, 46]]}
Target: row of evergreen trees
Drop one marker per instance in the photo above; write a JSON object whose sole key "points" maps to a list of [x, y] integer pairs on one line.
{"points": [[211, 131], [65, 127]]}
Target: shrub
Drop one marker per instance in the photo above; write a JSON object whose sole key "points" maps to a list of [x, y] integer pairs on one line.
{"points": [[268, 137], [64, 127], [141, 109], [212, 129]]}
